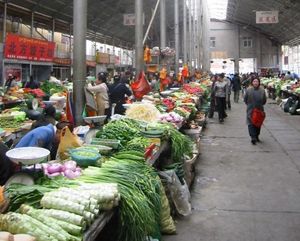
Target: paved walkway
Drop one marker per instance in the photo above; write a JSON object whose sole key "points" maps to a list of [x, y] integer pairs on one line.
{"points": [[244, 192]]}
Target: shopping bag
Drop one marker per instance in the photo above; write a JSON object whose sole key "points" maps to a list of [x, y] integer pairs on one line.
{"points": [[67, 141], [166, 81], [258, 116], [84, 112], [140, 87]]}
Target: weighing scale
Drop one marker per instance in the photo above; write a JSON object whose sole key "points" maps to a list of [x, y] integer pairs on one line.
{"points": [[26, 156], [96, 122]]}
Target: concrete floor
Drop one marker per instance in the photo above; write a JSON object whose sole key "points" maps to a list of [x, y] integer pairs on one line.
{"points": [[244, 192]]}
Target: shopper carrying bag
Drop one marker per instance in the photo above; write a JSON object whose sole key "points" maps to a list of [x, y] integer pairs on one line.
{"points": [[255, 99]]}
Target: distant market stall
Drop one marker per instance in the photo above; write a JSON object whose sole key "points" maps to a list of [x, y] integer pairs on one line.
{"points": [[286, 92]]}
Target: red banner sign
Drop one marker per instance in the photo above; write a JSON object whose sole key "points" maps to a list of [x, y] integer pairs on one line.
{"points": [[62, 61], [19, 47]]}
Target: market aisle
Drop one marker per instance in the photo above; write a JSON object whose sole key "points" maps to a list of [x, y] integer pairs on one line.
{"points": [[244, 192]]}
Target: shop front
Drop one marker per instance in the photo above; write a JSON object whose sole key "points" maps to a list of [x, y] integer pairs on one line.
{"points": [[27, 56], [62, 68], [21, 70]]}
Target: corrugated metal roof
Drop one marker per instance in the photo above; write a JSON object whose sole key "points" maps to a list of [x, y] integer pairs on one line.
{"points": [[287, 31], [105, 17]]}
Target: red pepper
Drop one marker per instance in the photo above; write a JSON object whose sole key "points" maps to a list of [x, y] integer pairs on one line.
{"points": [[149, 150]]}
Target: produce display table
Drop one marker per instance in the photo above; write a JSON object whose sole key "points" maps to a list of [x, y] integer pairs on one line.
{"points": [[92, 233], [122, 173], [14, 134], [10, 104]]}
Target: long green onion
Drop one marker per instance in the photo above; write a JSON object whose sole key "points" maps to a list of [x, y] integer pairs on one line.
{"points": [[140, 196]]}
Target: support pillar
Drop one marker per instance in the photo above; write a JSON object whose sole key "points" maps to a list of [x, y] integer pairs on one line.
{"points": [[70, 52], [196, 37], [139, 53], [53, 36], [79, 57], [177, 48], [53, 29], [185, 49], [199, 34], [4, 38], [31, 35], [190, 35], [237, 57], [163, 24], [151, 21]]}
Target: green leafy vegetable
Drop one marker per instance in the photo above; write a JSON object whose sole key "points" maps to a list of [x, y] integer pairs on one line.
{"points": [[19, 194], [51, 88], [123, 130]]}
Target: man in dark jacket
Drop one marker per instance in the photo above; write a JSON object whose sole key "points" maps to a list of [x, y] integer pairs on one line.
{"points": [[236, 87], [118, 92], [48, 117]]}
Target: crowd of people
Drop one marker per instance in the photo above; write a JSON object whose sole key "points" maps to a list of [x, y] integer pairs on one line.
{"points": [[253, 95], [111, 95]]}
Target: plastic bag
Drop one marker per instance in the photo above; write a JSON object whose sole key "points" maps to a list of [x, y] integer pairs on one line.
{"points": [[294, 107], [67, 141], [166, 81], [288, 104], [167, 225], [180, 194], [258, 116], [84, 112], [141, 86]]}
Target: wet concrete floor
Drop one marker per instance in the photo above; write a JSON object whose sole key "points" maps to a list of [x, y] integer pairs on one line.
{"points": [[244, 192]]}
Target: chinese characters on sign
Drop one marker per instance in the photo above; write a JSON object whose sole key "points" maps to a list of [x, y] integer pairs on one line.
{"points": [[129, 19], [19, 47], [267, 17], [62, 61]]}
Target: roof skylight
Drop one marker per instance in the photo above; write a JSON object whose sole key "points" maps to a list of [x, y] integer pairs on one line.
{"points": [[218, 9]]}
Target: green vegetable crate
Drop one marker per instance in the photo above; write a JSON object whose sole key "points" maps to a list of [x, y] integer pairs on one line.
{"points": [[106, 142]]}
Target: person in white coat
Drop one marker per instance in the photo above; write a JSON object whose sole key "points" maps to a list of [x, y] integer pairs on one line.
{"points": [[101, 92], [53, 79]]}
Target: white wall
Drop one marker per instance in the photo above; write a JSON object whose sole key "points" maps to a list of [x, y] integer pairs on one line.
{"points": [[293, 55], [125, 55], [229, 44]]}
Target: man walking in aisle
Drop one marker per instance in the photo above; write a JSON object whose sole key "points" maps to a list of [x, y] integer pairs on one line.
{"points": [[221, 94], [236, 87], [228, 103]]}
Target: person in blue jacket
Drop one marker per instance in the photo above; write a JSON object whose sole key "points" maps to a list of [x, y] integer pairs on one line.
{"points": [[6, 166], [42, 136]]}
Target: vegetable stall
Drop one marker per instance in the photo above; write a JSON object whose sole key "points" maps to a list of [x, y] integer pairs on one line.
{"points": [[135, 169], [21, 106], [285, 92]]}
